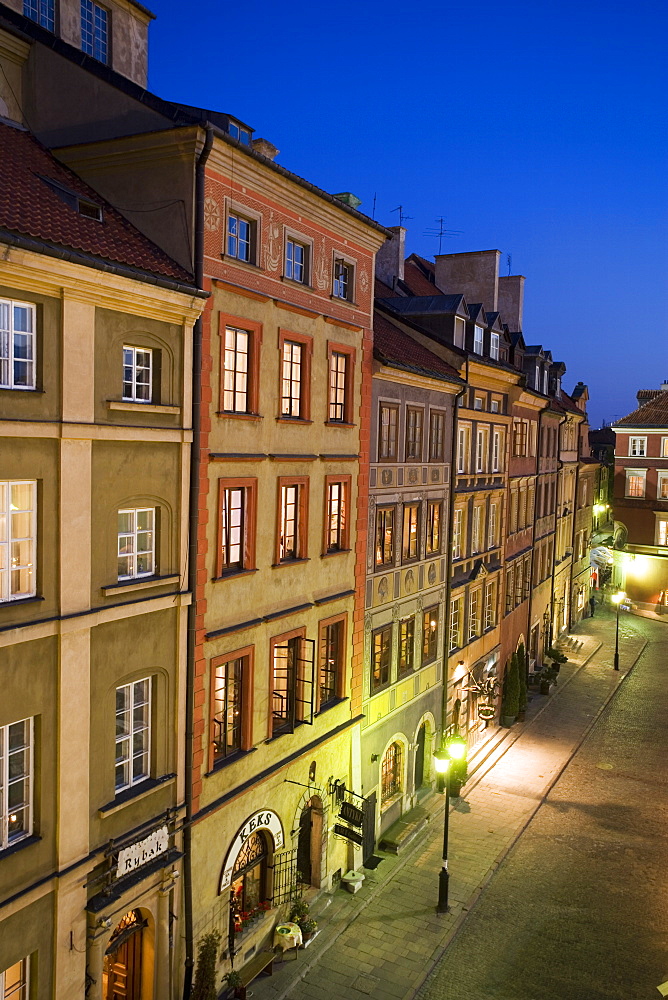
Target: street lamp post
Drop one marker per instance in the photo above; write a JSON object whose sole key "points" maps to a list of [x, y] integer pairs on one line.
{"points": [[453, 749], [617, 599]]}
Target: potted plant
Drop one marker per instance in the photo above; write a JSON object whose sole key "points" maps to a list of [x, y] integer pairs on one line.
{"points": [[300, 911], [547, 675], [204, 987], [557, 658], [308, 928], [234, 982], [510, 703], [522, 676]]}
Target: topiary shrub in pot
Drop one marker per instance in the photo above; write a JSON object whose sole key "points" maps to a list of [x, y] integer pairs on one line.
{"points": [[522, 677], [204, 987], [510, 704]]}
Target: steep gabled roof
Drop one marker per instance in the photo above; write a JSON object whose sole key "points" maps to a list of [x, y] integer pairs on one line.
{"points": [[423, 304], [393, 347], [39, 199], [415, 281], [653, 413]]}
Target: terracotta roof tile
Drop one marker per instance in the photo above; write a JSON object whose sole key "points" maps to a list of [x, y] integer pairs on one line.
{"points": [[653, 413], [394, 347], [31, 206], [415, 280]]}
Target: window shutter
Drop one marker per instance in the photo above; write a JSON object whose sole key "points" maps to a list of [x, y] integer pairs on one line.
{"points": [[305, 677]]}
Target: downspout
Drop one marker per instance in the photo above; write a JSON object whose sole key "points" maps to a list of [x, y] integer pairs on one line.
{"points": [[448, 578], [533, 542], [192, 565], [560, 466]]}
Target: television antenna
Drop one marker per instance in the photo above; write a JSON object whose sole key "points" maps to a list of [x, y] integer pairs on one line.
{"points": [[441, 232], [509, 262], [402, 218]]}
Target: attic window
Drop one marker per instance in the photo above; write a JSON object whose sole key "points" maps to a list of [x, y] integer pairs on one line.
{"points": [[84, 206], [238, 132]]}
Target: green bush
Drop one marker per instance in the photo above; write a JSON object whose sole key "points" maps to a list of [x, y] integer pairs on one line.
{"points": [[522, 675], [204, 987], [510, 705]]}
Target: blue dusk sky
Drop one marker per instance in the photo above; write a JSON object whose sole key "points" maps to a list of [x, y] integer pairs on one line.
{"points": [[536, 129]]}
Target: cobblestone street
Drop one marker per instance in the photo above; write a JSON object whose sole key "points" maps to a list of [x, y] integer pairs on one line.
{"points": [[557, 858]]}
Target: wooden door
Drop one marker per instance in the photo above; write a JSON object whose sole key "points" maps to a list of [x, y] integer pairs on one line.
{"points": [[124, 970]]}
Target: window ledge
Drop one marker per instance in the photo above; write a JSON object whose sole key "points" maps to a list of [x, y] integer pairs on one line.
{"points": [[224, 762], [136, 792], [234, 575], [19, 388], [334, 552], [20, 600], [346, 302], [238, 415], [295, 281], [331, 704], [18, 845], [293, 420], [251, 265], [126, 404], [289, 562], [141, 583], [339, 423]]}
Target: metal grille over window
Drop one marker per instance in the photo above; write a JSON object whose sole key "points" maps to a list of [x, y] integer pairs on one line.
{"points": [[294, 684], [133, 733], [286, 887], [390, 777], [15, 782], [291, 391], [17, 345]]}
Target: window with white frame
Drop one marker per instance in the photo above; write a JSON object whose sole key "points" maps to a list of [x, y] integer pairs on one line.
{"points": [[497, 451], [664, 447], [18, 539], [136, 542], [536, 378], [463, 448], [474, 614], [236, 370], [460, 331], [343, 280], [296, 261], [638, 447], [137, 374], [240, 237], [455, 631], [662, 486], [477, 403], [493, 525], [482, 449], [133, 733], [291, 381], [338, 385], [457, 525], [494, 406], [15, 981], [494, 346], [490, 605], [635, 482], [662, 531], [475, 529], [478, 334], [95, 30], [17, 345], [16, 781]]}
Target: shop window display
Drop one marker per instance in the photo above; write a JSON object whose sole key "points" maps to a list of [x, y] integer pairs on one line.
{"points": [[249, 882]]}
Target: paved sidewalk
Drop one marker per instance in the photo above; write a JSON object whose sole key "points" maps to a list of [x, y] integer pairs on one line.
{"points": [[384, 941]]}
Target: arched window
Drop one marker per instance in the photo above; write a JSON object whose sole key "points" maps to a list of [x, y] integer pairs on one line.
{"points": [[249, 878], [391, 771]]}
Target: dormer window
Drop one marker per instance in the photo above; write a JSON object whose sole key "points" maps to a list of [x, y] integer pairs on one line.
{"points": [[95, 31], [478, 333], [545, 383], [460, 328], [238, 132], [557, 387], [494, 346], [536, 379], [78, 203], [42, 12]]}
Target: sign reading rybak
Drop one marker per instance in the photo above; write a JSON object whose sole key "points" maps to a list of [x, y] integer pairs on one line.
{"points": [[133, 857]]}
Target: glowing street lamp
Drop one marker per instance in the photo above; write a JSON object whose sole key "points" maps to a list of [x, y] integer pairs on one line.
{"points": [[617, 599], [452, 751]]}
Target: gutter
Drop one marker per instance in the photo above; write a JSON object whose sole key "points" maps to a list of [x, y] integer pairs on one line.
{"points": [[195, 458]]}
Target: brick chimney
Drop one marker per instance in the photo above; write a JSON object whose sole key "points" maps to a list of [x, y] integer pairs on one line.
{"points": [[511, 301], [475, 275], [390, 257]]}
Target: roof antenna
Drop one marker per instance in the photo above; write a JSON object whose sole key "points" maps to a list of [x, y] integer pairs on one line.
{"points": [[509, 262], [441, 232], [402, 217], [373, 213]]}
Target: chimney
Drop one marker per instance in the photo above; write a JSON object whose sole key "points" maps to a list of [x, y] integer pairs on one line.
{"points": [[390, 257], [511, 301], [265, 148], [475, 275], [664, 385]]}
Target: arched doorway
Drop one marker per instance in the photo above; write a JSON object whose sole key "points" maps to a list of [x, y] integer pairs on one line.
{"points": [[249, 879], [122, 968], [309, 842], [420, 744]]}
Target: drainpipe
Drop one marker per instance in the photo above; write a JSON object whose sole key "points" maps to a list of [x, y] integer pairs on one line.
{"points": [[192, 565], [533, 542], [448, 576], [560, 466]]}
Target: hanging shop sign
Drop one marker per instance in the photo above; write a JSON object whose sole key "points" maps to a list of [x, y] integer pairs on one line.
{"points": [[133, 857], [351, 814], [344, 831], [262, 820], [486, 712]]}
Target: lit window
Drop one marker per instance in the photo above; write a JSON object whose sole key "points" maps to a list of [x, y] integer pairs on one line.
{"points": [[16, 772], [94, 30], [476, 529], [235, 373], [291, 383], [434, 511], [457, 522], [474, 614], [239, 237], [331, 661], [381, 651], [133, 733], [228, 706], [478, 334], [236, 525], [41, 11], [338, 372], [137, 374], [482, 450], [136, 543], [490, 605], [293, 683], [664, 447], [411, 534], [18, 539], [17, 345], [389, 421], [289, 541], [492, 528], [406, 645], [296, 261], [635, 484], [455, 637], [14, 981], [391, 773], [337, 519], [662, 532], [662, 486], [384, 536], [429, 634], [343, 280]]}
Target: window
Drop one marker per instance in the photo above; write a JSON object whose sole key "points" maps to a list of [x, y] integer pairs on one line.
{"points": [[478, 333], [95, 30], [662, 486], [41, 11], [336, 517], [434, 513], [136, 543], [490, 605], [384, 536], [343, 280], [492, 527], [389, 424], [664, 447], [235, 370], [635, 483], [460, 330], [455, 637], [293, 682], [477, 403], [390, 773], [296, 261], [457, 525], [411, 536], [512, 521], [292, 528], [18, 539], [133, 733], [332, 657], [536, 378], [661, 531], [381, 652], [406, 646], [494, 346], [436, 436], [240, 237], [291, 386], [229, 674], [510, 589], [638, 447], [474, 614], [137, 374], [482, 450], [237, 525], [429, 634], [14, 981], [520, 428], [494, 406], [463, 447], [414, 419], [341, 366], [477, 543], [496, 451], [17, 345], [249, 879], [16, 771], [531, 499]]}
